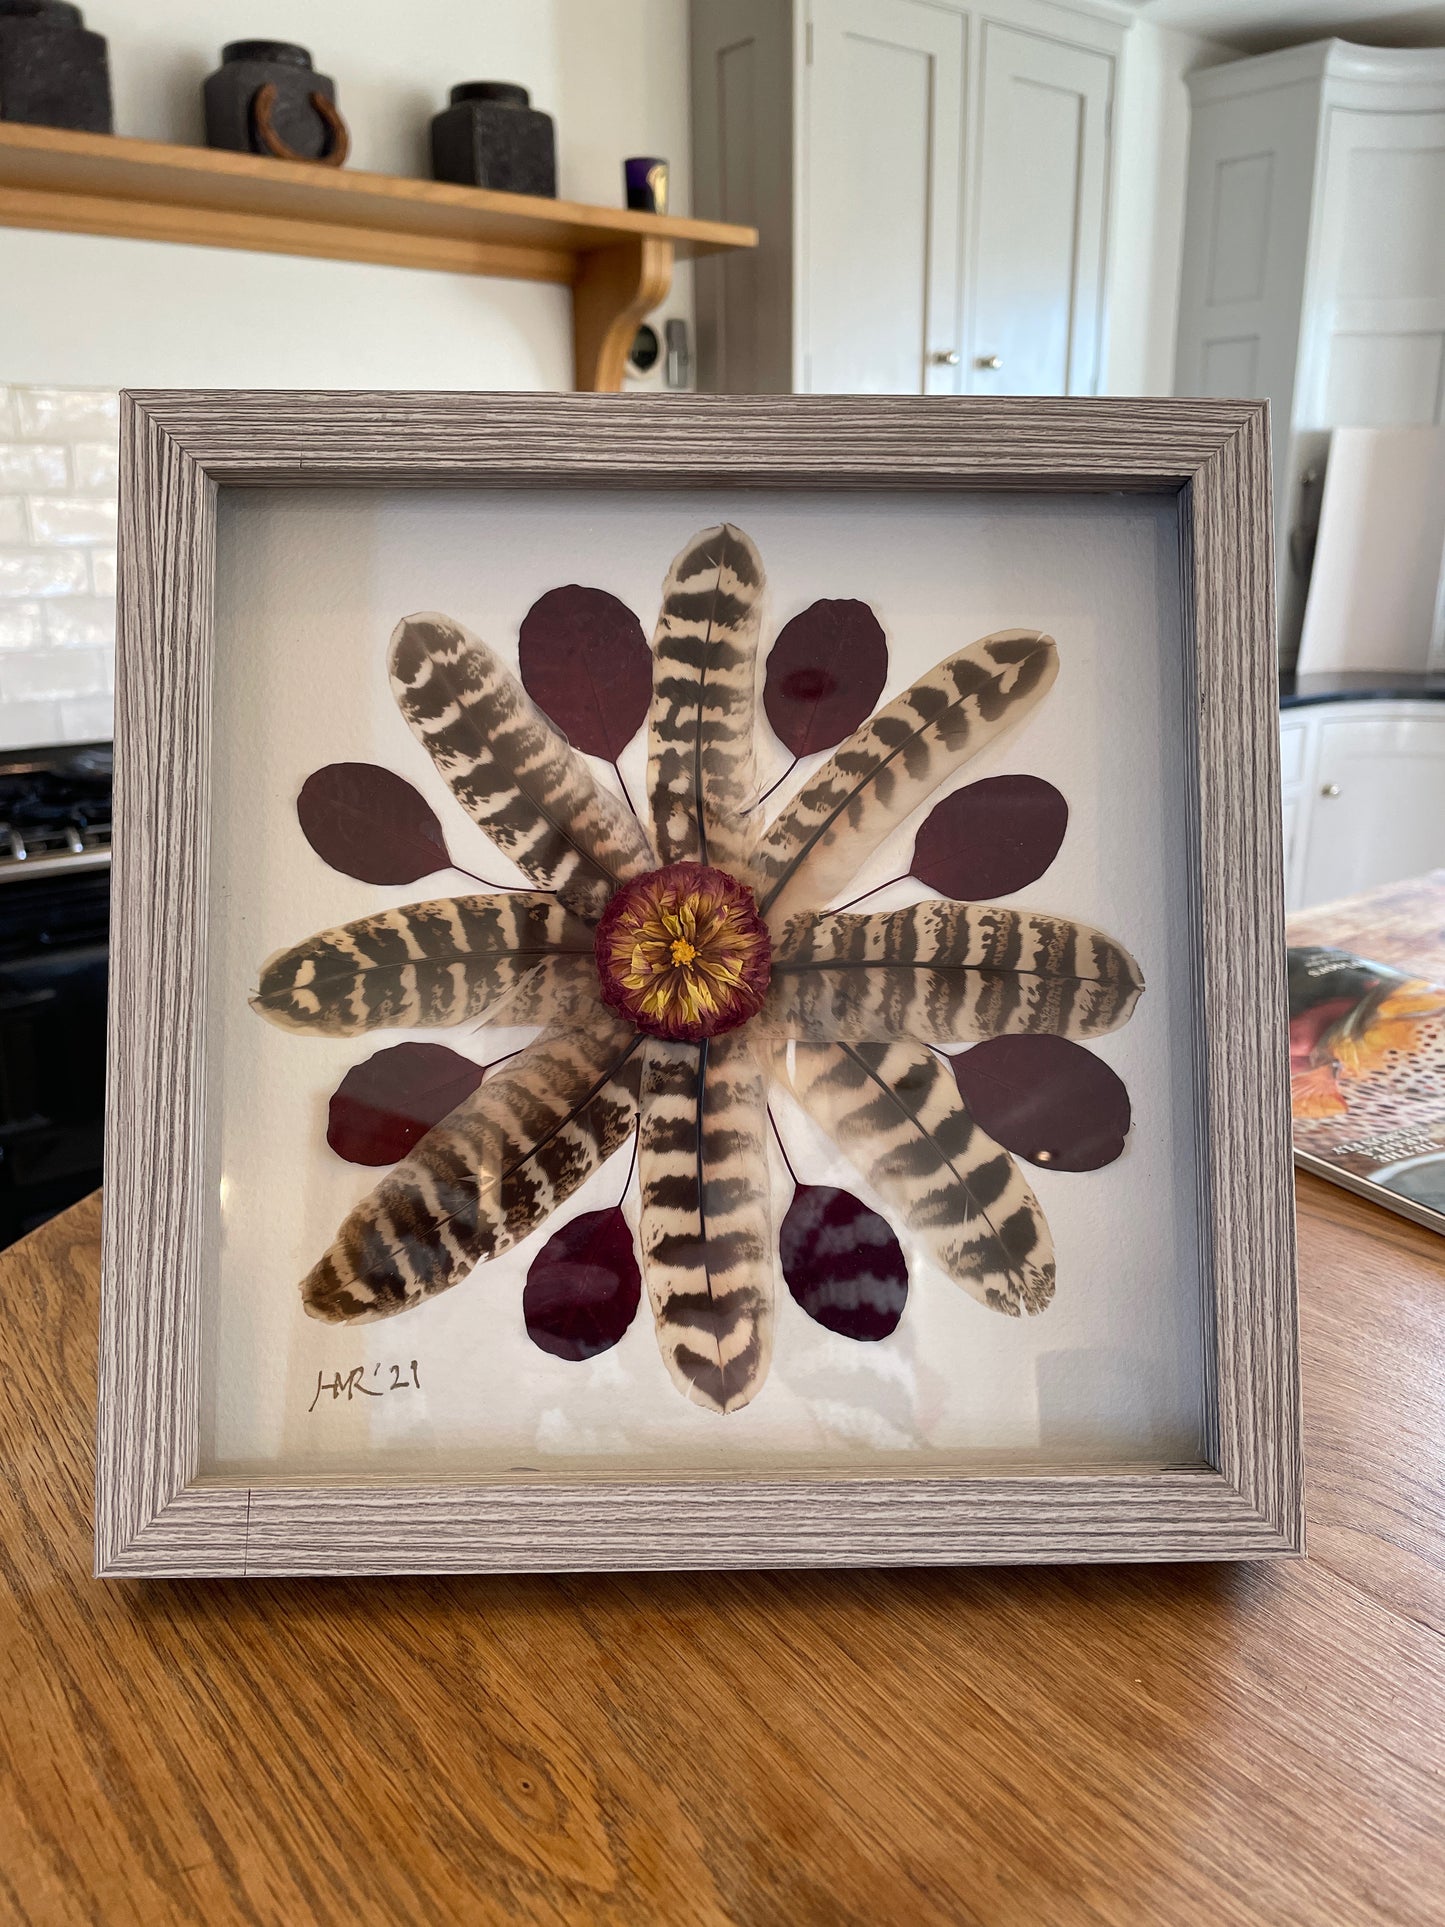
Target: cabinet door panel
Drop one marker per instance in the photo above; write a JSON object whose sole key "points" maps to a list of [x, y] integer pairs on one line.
{"points": [[1378, 814], [880, 239], [1039, 203]]}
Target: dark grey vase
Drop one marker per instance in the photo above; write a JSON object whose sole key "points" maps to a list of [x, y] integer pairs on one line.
{"points": [[298, 118], [53, 71], [492, 136]]}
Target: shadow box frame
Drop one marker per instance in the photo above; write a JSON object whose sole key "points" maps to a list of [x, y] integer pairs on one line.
{"points": [[155, 1514]]}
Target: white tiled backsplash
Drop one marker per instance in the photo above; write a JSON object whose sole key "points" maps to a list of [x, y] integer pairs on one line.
{"points": [[57, 564]]}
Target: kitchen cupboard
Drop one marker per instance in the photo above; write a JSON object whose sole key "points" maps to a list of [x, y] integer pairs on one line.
{"points": [[1314, 260], [930, 181], [1364, 796]]}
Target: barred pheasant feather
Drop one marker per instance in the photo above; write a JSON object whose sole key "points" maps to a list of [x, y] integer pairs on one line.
{"points": [[679, 969]]}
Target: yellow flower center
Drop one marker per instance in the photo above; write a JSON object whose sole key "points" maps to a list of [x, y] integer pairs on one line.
{"points": [[683, 953]]}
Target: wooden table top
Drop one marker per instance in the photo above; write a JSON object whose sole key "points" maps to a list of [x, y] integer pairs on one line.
{"points": [[1136, 1745]]}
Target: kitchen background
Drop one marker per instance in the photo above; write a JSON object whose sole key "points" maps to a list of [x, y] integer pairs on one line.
{"points": [[959, 196]]}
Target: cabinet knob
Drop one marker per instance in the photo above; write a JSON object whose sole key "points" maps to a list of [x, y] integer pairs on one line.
{"points": [[988, 361], [1330, 789], [944, 357]]}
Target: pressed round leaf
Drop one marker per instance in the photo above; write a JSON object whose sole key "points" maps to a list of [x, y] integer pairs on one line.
{"points": [[585, 661], [990, 838], [825, 672], [583, 1287], [1047, 1099], [369, 823], [842, 1263], [381, 1107]]}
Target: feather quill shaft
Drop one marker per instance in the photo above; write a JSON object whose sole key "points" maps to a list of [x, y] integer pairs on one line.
{"points": [[704, 703], [886, 769], [512, 772], [484, 1177], [894, 1110], [706, 1229], [458, 959], [946, 973]]}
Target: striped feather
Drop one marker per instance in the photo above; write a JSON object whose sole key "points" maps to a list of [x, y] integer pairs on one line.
{"points": [[707, 1235], [426, 964], [946, 973], [512, 772], [894, 1109], [893, 763], [484, 1177], [700, 768]]}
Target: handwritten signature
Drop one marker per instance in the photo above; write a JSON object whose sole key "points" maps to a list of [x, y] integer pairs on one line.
{"points": [[353, 1384]]}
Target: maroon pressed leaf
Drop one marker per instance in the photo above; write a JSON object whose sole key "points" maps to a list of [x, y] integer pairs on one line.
{"points": [[368, 823], [991, 838], [585, 661], [1047, 1099], [825, 672], [583, 1287], [381, 1108], [842, 1263]]}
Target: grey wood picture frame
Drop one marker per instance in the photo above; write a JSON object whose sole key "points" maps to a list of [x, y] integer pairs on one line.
{"points": [[156, 1516]]}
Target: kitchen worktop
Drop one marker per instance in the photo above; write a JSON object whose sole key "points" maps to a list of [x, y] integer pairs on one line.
{"points": [[1251, 1744], [1359, 685]]}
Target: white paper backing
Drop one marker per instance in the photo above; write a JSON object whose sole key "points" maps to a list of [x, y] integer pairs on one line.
{"points": [[310, 585]]}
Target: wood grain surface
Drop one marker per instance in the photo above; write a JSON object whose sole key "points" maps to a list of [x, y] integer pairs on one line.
{"points": [[1240, 1496], [1137, 1745]]}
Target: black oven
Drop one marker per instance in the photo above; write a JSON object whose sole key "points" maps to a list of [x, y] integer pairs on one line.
{"points": [[54, 940]]}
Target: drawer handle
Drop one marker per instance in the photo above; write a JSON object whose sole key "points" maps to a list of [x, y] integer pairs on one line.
{"points": [[1330, 789], [944, 358], [990, 362]]}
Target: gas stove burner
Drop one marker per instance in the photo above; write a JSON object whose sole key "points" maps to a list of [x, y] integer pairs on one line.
{"points": [[54, 810]]}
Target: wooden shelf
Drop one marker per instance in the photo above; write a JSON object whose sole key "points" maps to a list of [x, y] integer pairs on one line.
{"points": [[617, 263]]}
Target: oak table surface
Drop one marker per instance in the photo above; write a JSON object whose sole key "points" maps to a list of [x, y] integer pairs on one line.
{"points": [[1132, 1744]]}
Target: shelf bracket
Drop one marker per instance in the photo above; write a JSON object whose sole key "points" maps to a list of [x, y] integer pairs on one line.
{"points": [[615, 288]]}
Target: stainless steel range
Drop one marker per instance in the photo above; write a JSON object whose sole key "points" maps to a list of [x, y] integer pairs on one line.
{"points": [[54, 945]]}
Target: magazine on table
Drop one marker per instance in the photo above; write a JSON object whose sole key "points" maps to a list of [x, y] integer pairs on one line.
{"points": [[1367, 1079]]}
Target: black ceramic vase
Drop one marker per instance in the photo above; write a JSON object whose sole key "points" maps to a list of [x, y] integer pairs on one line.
{"points": [[266, 98], [492, 136], [53, 72]]}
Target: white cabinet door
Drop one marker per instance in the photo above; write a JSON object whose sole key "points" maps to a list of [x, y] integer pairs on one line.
{"points": [[1039, 210], [1378, 811], [881, 203]]}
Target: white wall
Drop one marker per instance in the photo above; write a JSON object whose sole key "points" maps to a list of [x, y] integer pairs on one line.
{"points": [[1151, 155], [89, 312]]}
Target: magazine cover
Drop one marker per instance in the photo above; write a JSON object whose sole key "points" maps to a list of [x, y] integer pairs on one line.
{"points": [[1367, 1079]]}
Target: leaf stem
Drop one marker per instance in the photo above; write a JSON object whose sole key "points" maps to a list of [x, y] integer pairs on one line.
{"points": [[487, 1069], [631, 1166], [509, 889], [626, 794], [772, 786], [867, 893], [783, 1148]]}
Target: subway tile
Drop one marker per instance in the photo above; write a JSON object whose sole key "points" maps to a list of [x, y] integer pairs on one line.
{"points": [[96, 466], [102, 571], [42, 572], [33, 466], [87, 719], [71, 518], [40, 675], [12, 519], [80, 622], [8, 422], [21, 625], [68, 414], [27, 725]]}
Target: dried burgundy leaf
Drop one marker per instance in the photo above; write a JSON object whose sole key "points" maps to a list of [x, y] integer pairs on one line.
{"points": [[585, 661], [368, 823], [583, 1287], [826, 671], [383, 1106], [1047, 1099], [842, 1263], [990, 838]]}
